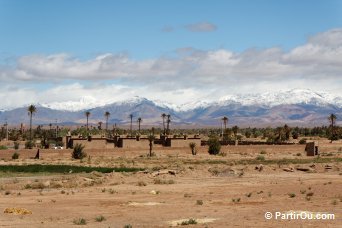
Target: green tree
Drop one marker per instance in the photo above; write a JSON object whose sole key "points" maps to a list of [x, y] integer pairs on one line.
{"points": [[139, 123], [107, 114], [225, 122], [332, 119], [235, 130], [151, 140], [163, 117], [168, 121], [287, 131], [192, 146], [214, 145], [31, 110], [87, 114], [131, 126]]}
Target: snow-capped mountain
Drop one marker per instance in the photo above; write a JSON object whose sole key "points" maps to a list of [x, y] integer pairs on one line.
{"points": [[295, 96], [269, 99], [296, 107]]}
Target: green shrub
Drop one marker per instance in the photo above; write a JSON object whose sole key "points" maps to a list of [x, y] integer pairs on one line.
{"points": [[100, 218], [189, 222], [302, 141], [214, 145], [2, 147], [78, 152], [192, 146], [292, 195], [260, 158], [16, 145], [29, 144], [15, 155], [80, 221], [199, 202]]}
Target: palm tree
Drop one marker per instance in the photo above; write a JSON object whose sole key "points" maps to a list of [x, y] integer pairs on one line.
{"points": [[131, 117], [100, 125], [139, 122], [168, 123], [31, 110], [225, 122], [235, 131], [163, 116], [332, 119], [87, 113], [107, 114], [287, 131]]}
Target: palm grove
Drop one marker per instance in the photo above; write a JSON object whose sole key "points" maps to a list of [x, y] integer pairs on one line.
{"points": [[48, 135]]}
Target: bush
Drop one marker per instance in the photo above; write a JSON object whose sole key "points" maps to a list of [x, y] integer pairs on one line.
{"points": [[78, 152], [2, 147], [189, 222], [80, 221], [302, 141], [100, 218], [16, 145], [29, 144], [260, 158], [15, 155], [192, 146], [214, 146]]}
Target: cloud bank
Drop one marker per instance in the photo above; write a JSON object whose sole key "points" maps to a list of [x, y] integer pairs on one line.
{"points": [[188, 75]]}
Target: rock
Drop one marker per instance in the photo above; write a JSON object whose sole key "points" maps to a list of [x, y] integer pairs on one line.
{"points": [[305, 169], [46, 184], [161, 172], [259, 167], [153, 192], [328, 166], [88, 179], [288, 169]]}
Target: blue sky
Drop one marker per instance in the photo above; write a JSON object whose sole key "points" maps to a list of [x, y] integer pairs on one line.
{"points": [[74, 34]]}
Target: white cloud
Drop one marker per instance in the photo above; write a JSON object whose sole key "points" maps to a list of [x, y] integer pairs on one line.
{"points": [[190, 75]]}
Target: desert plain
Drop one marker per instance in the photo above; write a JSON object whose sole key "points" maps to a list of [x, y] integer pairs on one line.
{"points": [[175, 188]]}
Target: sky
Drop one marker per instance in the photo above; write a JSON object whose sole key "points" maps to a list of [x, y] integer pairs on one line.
{"points": [[87, 51]]}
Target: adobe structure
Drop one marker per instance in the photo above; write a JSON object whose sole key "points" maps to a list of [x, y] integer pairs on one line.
{"points": [[131, 142], [311, 149], [181, 141]]}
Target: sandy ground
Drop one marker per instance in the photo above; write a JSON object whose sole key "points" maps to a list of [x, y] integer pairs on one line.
{"points": [[215, 195]]}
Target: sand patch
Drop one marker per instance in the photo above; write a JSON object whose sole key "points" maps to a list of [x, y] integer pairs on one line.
{"points": [[144, 204], [17, 211]]}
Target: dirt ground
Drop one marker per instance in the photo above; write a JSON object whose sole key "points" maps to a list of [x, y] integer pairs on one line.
{"points": [[216, 191]]}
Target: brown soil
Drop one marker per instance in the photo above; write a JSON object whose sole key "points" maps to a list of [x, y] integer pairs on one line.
{"points": [[215, 195]]}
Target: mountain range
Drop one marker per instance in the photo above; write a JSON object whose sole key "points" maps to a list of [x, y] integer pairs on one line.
{"points": [[295, 107]]}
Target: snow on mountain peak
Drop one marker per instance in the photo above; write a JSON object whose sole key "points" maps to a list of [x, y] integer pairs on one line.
{"points": [[85, 102], [294, 96], [270, 99]]}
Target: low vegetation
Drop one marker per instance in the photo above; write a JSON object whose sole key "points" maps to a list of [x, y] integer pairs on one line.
{"points": [[62, 169], [100, 218], [78, 152], [189, 222], [214, 145], [15, 155], [193, 148], [80, 221]]}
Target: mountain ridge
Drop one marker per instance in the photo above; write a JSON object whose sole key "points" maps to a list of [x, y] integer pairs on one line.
{"points": [[296, 107]]}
